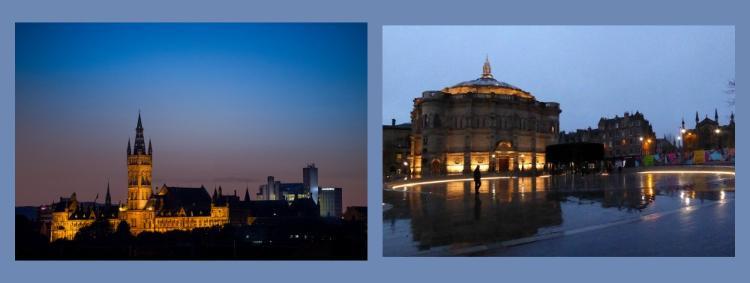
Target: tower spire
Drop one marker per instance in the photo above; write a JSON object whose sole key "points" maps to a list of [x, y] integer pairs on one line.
{"points": [[716, 115], [140, 144], [129, 146], [487, 69], [150, 150], [108, 198], [696, 119], [247, 194]]}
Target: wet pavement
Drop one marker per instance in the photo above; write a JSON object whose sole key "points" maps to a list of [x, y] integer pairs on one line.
{"points": [[617, 215]]}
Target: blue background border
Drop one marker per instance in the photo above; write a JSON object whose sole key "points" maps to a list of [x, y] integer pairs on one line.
{"points": [[376, 13]]}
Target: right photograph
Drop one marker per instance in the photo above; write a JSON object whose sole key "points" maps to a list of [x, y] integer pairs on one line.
{"points": [[558, 141]]}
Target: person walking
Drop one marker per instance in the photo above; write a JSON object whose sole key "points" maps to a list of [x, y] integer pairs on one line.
{"points": [[477, 179]]}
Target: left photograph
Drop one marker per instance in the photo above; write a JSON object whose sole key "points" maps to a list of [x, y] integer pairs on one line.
{"points": [[190, 141]]}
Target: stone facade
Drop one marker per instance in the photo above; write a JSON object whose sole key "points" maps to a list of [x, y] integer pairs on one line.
{"points": [[628, 136], [396, 140], [483, 122], [708, 134]]}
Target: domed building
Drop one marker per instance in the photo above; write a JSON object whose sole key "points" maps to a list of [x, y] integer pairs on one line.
{"points": [[482, 122]]}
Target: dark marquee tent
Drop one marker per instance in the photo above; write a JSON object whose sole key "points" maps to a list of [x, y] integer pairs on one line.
{"points": [[579, 153]]}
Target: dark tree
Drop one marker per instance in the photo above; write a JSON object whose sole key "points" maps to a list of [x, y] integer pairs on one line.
{"points": [[99, 230]]}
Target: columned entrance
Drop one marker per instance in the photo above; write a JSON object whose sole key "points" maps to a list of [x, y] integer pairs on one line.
{"points": [[503, 163], [504, 156], [435, 168]]}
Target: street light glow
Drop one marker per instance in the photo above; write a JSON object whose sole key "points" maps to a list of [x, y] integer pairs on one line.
{"points": [[688, 172], [444, 181]]}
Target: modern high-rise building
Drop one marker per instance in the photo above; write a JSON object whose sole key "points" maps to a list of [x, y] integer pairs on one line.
{"points": [[330, 202], [269, 191], [310, 181]]}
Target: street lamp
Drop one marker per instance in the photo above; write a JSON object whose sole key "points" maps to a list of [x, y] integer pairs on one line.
{"points": [[493, 165], [642, 152], [718, 138]]}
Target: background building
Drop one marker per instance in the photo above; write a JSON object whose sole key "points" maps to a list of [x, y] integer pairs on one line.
{"points": [[310, 181], [330, 202], [270, 190], [629, 136], [708, 134], [396, 150], [482, 122]]}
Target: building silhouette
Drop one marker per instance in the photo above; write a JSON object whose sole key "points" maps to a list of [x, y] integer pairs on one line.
{"points": [[310, 181], [171, 208], [330, 202]]}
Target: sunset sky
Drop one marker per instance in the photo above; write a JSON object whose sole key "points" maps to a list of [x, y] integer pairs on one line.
{"points": [[224, 104]]}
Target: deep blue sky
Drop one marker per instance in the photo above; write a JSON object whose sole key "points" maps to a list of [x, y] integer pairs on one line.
{"points": [[225, 104], [665, 72]]}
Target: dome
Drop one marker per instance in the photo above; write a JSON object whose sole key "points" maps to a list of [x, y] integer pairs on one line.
{"points": [[487, 84]]}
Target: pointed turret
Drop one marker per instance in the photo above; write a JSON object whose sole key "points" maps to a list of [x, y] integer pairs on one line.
{"points": [[247, 194], [129, 151], [683, 122], [140, 144], [487, 69], [716, 115], [107, 198], [696, 119], [150, 149], [731, 118], [214, 196]]}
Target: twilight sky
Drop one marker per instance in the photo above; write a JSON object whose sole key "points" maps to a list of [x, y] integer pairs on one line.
{"points": [[665, 72], [224, 104]]}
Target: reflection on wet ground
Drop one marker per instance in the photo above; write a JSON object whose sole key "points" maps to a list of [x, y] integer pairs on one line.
{"points": [[449, 219]]}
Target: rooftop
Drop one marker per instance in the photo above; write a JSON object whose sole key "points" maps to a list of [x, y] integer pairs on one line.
{"points": [[487, 84]]}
